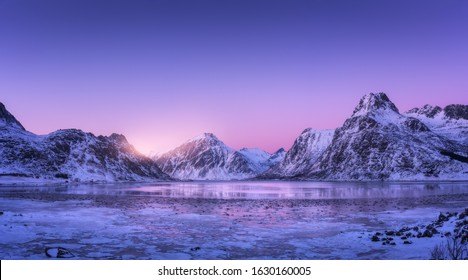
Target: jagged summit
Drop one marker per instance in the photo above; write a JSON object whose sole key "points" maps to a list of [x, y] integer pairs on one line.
{"points": [[427, 110], [451, 112], [451, 121], [70, 154], [280, 151], [120, 138], [7, 119], [374, 102]]}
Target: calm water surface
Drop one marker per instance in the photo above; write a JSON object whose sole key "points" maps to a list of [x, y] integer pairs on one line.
{"points": [[260, 190]]}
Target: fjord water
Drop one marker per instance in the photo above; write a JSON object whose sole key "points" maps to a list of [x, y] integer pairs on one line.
{"points": [[261, 189], [222, 220]]}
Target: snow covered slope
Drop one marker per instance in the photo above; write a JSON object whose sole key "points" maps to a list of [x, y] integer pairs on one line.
{"points": [[451, 122], [378, 143], [304, 153], [207, 158], [70, 154], [261, 160], [8, 120]]}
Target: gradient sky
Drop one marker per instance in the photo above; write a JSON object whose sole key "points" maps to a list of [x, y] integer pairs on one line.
{"points": [[255, 73]]}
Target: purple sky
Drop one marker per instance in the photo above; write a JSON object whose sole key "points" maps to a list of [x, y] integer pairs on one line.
{"points": [[255, 73]]}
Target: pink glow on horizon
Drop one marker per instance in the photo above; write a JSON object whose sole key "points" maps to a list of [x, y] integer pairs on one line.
{"points": [[160, 72]]}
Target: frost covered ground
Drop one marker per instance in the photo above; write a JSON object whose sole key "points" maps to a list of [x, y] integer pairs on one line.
{"points": [[224, 220]]}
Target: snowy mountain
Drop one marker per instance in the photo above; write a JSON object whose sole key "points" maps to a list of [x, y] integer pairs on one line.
{"points": [[378, 143], [70, 154], [304, 153], [207, 158], [451, 122]]}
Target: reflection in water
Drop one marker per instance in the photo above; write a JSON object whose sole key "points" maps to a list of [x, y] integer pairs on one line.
{"points": [[261, 190]]}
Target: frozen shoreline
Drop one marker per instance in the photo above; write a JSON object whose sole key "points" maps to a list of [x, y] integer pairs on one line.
{"points": [[112, 226]]}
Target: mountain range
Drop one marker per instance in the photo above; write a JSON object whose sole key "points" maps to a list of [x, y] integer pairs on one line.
{"points": [[70, 155], [376, 142], [207, 158]]}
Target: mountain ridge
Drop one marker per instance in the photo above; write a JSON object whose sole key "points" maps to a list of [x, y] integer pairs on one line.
{"points": [[376, 142], [70, 155]]}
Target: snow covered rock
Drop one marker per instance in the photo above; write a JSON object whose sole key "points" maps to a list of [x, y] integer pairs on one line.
{"points": [[58, 253], [451, 122], [7, 119], [304, 153]]}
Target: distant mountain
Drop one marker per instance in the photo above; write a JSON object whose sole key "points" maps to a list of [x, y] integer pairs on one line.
{"points": [[304, 153], [208, 158], [262, 160], [70, 154]]}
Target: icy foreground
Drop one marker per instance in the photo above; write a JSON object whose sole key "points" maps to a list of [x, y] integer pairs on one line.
{"points": [[256, 220]]}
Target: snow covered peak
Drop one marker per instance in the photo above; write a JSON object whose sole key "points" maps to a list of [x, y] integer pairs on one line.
{"points": [[280, 151], [208, 138], [427, 110], [119, 138], [7, 119], [373, 102]]}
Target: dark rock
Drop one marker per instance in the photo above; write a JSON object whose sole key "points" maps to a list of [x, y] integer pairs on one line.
{"points": [[407, 242], [463, 214], [442, 218], [375, 238], [416, 125], [58, 252], [390, 232], [456, 111], [427, 110], [195, 249], [427, 233]]}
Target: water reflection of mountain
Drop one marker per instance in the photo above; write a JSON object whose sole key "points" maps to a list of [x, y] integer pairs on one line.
{"points": [[261, 190]]}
